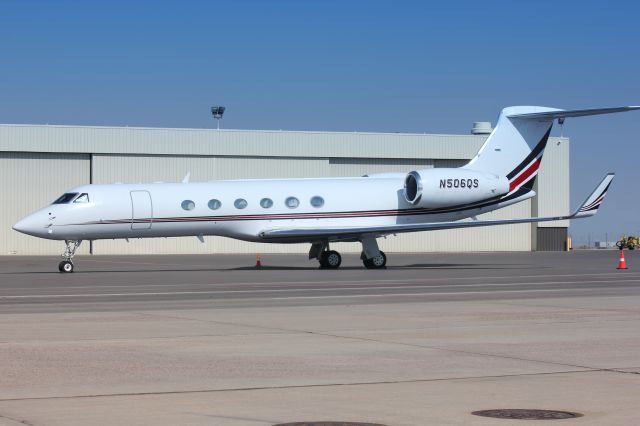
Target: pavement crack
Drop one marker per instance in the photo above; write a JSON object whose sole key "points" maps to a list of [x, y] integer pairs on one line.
{"points": [[308, 386], [389, 342], [231, 323], [575, 308], [243, 419], [459, 351], [17, 421]]}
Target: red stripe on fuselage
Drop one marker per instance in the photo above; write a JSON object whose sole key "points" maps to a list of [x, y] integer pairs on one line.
{"points": [[524, 175]]}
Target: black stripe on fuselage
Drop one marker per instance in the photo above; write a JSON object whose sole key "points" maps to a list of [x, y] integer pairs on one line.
{"points": [[332, 215]]}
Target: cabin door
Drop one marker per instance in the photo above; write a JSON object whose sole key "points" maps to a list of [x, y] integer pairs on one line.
{"points": [[141, 210]]}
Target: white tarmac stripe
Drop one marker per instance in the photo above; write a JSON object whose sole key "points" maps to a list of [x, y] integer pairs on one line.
{"points": [[461, 293], [351, 282], [255, 291]]}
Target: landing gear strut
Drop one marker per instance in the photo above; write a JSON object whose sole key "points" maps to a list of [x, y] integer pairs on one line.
{"points": [[372, 257], [71, 247]]}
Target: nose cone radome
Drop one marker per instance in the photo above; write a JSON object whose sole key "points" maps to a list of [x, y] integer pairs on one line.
{"points": [[31, 225]]}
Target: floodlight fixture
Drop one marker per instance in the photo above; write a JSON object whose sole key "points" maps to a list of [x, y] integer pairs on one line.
{"points": [[217, 112]]}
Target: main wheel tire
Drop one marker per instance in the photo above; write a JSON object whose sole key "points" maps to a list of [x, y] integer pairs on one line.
{"points": [[377, 262], [65, 266], [330, 259]]}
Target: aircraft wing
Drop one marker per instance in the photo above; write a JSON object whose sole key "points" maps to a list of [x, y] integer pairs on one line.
{"points": [[588, 208]]}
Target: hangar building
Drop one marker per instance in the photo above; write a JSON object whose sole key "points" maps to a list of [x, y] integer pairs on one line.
{"points": [[39, 162]]}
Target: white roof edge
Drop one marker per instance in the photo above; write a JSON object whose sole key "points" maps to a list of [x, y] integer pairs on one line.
{"points": [[187, 129]]}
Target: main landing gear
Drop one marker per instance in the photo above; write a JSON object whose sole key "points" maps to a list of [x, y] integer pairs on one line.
{"points": [[328, 259], [71, 247], [377, 262], [372, 257]]}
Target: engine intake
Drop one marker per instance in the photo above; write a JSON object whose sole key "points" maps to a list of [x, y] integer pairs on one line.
{"points": [[413, 187]]}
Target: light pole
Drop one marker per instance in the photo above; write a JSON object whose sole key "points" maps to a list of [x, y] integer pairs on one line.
{"points": [[217, 112]]}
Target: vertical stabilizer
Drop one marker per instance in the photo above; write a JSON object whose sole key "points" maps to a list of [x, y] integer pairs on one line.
{"points": [[515, 147]]}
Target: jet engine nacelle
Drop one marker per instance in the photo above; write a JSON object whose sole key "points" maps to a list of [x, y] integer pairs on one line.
{"points": [[448, 187]]}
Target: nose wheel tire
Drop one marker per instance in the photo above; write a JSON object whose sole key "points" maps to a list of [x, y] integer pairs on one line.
{"points": [[377, 262], [65, 266], [330, 259]]}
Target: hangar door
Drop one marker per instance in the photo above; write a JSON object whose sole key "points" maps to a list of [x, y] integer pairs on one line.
{"points": [[551, 239], [30, 181]]}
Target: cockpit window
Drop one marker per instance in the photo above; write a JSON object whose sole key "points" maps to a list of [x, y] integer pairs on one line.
{"points": [[83, 198], [66, 198]]}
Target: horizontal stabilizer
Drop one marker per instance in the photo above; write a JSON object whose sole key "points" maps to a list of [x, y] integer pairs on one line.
{"points": [[560, 113], [588, 208]]}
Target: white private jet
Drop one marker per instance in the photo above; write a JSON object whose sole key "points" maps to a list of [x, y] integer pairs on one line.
{"points": [[326, 210]]}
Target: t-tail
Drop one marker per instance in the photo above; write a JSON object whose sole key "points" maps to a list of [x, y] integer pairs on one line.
{"points": [[515, 147]]}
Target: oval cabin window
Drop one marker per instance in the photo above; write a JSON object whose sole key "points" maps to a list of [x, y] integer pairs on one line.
{"points": [[317, 201], [188, 205], [214, 204], [240, 203], [292, 202]]}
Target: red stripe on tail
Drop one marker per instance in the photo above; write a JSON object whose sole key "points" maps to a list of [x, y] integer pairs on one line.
{"points": [[524, 175]]}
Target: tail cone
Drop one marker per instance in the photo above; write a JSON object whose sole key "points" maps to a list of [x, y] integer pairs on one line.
{"points": [[622, 264]]}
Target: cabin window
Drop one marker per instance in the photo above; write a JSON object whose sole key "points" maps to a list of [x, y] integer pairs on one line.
{"points": [[240, 203], [214, 204], [292, 202], [65, 198], [188, 205], [266, 203], [83, 198], [317, 201]]}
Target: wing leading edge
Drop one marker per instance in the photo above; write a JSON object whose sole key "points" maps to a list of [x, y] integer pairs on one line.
{"points": [[586, 209], [561, 113]]}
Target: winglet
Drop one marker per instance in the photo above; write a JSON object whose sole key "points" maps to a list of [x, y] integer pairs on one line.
{"points": [[186, 178], [593, 202]]}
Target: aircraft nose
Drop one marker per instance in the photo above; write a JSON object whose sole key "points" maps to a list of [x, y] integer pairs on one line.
{"points": [[30, 225]]}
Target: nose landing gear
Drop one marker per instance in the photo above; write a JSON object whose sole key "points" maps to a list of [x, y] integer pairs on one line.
{"points": [[71, 247]]}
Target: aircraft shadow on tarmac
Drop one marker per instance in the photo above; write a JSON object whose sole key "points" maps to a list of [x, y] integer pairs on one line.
{"points": [[397, 268], [453, 266]]}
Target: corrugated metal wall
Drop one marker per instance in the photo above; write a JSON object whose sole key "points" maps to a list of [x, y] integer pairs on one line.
{"points": [[552, 185], [30, 181], [260, 143]]}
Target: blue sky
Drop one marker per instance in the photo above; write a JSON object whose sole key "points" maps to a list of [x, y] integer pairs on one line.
{"points": [[411, 66]]}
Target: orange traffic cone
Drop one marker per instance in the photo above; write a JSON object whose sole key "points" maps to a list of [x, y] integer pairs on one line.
{"points": [[623, 263], [259, 261]]}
